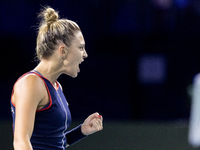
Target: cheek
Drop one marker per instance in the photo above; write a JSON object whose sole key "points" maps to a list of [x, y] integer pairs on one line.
{"points": [[74, 57], [77, 57], [73, 61]]}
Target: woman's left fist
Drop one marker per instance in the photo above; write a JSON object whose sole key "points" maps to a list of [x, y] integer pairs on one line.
{"points": [[92, 124]]}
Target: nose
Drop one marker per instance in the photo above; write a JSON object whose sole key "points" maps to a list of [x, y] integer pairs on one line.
{"points": [[85, 55]]}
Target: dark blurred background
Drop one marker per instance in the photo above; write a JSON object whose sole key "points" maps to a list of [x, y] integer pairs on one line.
{"points": [[143, 56]]}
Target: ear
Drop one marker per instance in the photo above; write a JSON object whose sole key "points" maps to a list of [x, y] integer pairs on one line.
{"points": [[62, 49]]}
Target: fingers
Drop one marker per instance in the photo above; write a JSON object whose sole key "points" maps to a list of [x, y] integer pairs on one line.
{"points": [[97, 123], [92, 124], [94, 115], [101, 117]]}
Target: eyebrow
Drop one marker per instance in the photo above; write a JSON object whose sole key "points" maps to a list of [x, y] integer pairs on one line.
{"points": [[82, 45]]}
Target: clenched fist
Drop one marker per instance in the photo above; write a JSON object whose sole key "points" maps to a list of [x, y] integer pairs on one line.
{"points": [[92, 124]]}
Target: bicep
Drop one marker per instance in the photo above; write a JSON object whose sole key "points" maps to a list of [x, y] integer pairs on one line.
{"points": [[27, 97], [24, 116]]}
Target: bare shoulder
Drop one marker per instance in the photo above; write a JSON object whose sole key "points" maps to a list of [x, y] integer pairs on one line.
{"points": [[30, 87], [30, 81]]}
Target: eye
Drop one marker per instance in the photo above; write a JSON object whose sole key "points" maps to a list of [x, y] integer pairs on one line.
{"points": [[82, 47]]}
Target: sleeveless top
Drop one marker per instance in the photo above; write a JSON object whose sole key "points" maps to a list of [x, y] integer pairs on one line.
{"points": [[51, 122]]}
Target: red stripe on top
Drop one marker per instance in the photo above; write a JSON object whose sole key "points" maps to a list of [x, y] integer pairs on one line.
{"points": [[50, 104], [57, 84], [48, 94]]}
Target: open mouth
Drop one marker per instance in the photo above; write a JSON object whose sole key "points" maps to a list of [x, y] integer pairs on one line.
{"points": [[79, 66]]}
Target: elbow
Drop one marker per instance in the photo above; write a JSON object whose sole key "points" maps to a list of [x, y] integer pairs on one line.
{"points": [[21, 143], [16, 143]]}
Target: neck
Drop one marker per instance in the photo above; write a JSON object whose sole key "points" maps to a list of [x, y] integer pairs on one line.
{"points": [[49, 70]]}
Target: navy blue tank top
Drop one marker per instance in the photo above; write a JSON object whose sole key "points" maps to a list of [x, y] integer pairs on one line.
{"points": [[51, 122]]}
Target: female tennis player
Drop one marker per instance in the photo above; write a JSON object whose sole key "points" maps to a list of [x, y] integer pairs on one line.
{"points": [[40, 111]]}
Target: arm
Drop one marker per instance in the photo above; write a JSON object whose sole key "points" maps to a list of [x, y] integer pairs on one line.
{"points": [[74, 135], [27, 96], [91, 125]]}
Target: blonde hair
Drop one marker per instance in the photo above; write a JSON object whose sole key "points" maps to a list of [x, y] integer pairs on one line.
{"points": [[53, 31]]}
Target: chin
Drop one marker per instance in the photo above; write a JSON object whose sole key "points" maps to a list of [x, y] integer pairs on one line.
{"points": [[73, 75]]}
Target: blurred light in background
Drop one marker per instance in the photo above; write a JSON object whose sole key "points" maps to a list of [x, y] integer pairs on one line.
{"points": [[181, 3], [152, 69], [163, 4]]}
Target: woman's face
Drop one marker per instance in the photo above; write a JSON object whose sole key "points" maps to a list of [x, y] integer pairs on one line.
{"points": [[75, 55]]}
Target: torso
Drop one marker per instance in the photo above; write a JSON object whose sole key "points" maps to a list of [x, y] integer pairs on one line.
{"points": [[52, 117]]}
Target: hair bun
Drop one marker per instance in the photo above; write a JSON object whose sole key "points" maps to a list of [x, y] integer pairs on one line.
{"points": [[50, 15]]}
